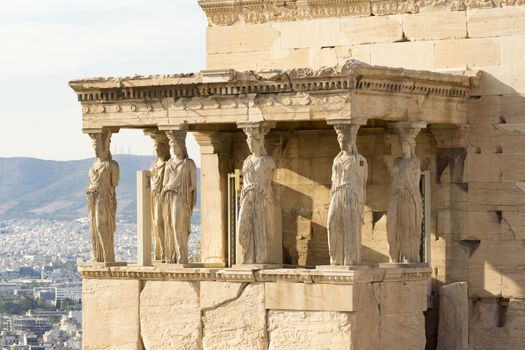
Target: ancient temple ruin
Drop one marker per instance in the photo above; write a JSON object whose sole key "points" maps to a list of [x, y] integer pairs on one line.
{"points": [[334, 185]]}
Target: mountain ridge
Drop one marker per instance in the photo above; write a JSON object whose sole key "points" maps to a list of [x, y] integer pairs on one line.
{"points": [[38, 188]]}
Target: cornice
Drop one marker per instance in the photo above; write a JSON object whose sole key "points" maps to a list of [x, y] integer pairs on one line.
{"points": [[228, 12], [354, 75], [362, 275]]}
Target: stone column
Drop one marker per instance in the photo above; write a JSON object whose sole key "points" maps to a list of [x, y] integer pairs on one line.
{"points": [[156, 173], [256, 234], [104, 176], [347, 197], [216, 163], [178, 197], [405, 209]]}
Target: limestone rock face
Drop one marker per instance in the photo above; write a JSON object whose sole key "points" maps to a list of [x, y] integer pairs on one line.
{"points": [[453, 317], [170, 315], [310, 330], [110, 316], [238, 324]]}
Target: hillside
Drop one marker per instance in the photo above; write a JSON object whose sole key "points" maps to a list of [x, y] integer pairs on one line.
{"points": [[56, 189]]}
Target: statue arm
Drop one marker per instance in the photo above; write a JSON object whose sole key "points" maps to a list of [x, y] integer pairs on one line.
{"points": [[332, 180], [193, 183], [115, 174], [365, 178]]}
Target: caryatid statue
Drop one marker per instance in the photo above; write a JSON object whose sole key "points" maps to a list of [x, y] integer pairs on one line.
{"points": [[162, 150], [102, 202], [405, 209], [179, 196], [348, 195], [255, 227]]}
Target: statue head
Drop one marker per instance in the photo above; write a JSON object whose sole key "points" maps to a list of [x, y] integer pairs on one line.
{"points": [[101, 144], [255, 139], [407, 140], [177, 143], [346, 137], [160, 143]]}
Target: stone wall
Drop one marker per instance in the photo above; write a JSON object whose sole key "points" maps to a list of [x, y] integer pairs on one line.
{"points": [[478, 189], [272, 309]]}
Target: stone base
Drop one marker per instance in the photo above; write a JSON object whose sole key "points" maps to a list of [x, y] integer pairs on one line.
{"points": [[257, 306], [101, 264], [341, 267], [253, 267], [402, 265], [179, 266]]}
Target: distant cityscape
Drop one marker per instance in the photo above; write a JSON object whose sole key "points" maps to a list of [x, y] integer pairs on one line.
{"points": [[40, 287]]}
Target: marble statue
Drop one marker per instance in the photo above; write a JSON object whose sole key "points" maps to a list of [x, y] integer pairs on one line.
{"points": [[102, 202], [405, 209], [256, 216], [179, 196], [162, 150], [348, 195]]}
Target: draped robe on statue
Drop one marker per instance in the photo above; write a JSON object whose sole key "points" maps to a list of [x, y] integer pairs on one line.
{"points": [[345, 214], [157, 177], [405, 211], [102, 205], [179, 197], [256, 216]]}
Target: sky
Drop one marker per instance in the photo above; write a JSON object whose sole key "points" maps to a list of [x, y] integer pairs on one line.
{"points": [[46, 43]]}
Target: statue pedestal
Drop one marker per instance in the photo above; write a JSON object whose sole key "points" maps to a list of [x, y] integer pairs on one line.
{"points": [[164, 265], [101, 264], [341, 267], [402, 265], [260, 306], [254, 267]]}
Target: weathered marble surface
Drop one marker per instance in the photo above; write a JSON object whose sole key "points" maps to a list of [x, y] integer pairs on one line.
{"points": [[255, 226], [170, 315], [162, 150], [348, 195], [179, 196], [102, 200], [405, 209], [310, 330], [453, 317], [110, 315], [159, 308], [237, 324]]}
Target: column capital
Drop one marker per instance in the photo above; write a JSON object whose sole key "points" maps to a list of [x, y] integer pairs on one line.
{"points": [[256, 124], [401, 127], [451, 136], [156, 134], [176, 127], [347, 121], [101, 130], [211, 142]]}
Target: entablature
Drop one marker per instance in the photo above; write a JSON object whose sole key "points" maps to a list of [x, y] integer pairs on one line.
{"points": [[354, 90]]}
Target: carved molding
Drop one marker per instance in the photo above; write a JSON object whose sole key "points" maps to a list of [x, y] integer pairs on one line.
{"points": [[228, 12], [270, 275], [113, 95]]}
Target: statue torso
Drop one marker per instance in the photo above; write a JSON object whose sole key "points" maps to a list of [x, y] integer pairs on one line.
{"points": [[349, 170], [100, 176], [406, 173]]}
